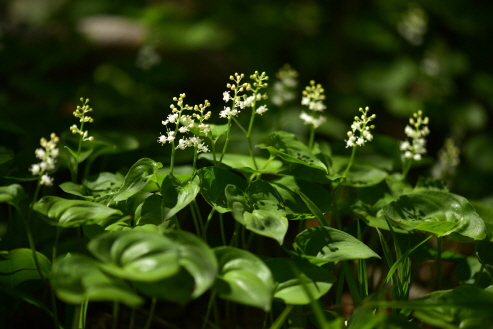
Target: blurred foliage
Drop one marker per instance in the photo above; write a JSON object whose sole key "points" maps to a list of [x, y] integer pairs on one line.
{"points": [[131, 57]]}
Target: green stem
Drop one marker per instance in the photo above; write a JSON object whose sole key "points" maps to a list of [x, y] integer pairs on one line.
{"points": [[172, 164], [151, 313], [76, 319], [226, 142], [312, 137], [195, 221], [194, 165], [407, 166], [439, 263], [282, 317], [221, 228], [249, 133], [131, 325], [116, 310], [209, 307], [350, 162], [234, 239], [206, 226], [213, 149]]}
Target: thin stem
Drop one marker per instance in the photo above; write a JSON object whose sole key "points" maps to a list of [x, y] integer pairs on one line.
{"points": [[199, 215], [194, 165], [221, 229], [407, 166], [172, 164], [350, 162], [206, 226], [209, 307], [234, 239], [76, 319], [194, 217], [439, 263], [151, 313], [249, 133], [131, 324], [213, 149], [116, 310], [282, 317], [312, 137], [226, 142]]}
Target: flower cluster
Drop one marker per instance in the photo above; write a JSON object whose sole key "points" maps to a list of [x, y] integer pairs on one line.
{"points": [[236, 88], [47, 154], [417, 131], [448, 160], [362, 126], [80, 113], [185, 123], [313, 97], [257, 96], [283, 90]]}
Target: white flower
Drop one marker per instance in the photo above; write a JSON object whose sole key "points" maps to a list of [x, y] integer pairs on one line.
{"points": [[35, 169], [248, 102], [262, 109], [305, 101], [171, 136], [162, 139], [226, 96], [361, 125], [417, 157], [416, 130], [183, 129], [228, 113], [40, 153], [405, 145], [46, 180]]}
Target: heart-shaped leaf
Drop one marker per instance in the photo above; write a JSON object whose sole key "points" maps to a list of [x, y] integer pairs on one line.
{"points": [[290, 149], [177, 194], [136, 255], [243, 278], [213, 182], [77, 279], [72, 213], [437, 212], [323, 244]]}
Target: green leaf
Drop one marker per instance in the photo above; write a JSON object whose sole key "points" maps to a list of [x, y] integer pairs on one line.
{"points": [[197, 258], [325, 244], [374, 215], [262, 216], [5, 154], [360, 174], [218, 131], [295, 207], [485, 211], [15, 196], [18, 266], [78, 278], [289, 286], [419, 210], [136, 255], [244, 163], [213, 182], [137, 178], [177, 194], [290, 149], [150, 212], [243, 278], [72, 213]]}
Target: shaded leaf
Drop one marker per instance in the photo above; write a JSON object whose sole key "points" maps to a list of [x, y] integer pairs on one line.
{"points": [[18, 266], [177, 194]]}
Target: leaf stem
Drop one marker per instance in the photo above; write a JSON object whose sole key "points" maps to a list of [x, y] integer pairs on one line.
{"points": [[439, 263], [350, 162], [151, 313], [282, 317], [312, 137]]}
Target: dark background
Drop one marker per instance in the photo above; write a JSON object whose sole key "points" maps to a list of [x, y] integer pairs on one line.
{"points": [[395, 56]]}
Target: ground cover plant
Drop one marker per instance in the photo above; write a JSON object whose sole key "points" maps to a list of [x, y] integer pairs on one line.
{"points": [[245, 225]]}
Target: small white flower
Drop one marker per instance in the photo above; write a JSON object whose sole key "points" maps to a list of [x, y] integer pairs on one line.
{"points": [[40, 153], [405, 145], [226, 96], [183, 129], [46, 180], [262, 109], [361, 125], [248, 102], [360, 141], [35, 169], [417, 157], [162, 139], [305, 101], [416, 130]]}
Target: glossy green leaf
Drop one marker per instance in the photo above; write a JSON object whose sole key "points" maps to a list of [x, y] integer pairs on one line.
{"points": [[213, 182], [244, 163], [177, 194], [360, 174], [137, 178], [243, 278], [17, 266], [373, 216], [290, 149], [262, 216], [289, 286], [136, 255], [15, 196], [485, 211], [150, 212], [417, 211], [96, 186], [72, 213], [218, 130], [197, 258], [325, 244], [78, 278]]}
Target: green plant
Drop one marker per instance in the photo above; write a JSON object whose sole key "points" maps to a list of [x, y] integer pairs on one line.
{"points": [[147, 237]]}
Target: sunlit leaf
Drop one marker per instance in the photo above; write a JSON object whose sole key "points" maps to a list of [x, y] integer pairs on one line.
{"points": [[323, 244], [360, 174], [417, 211], [244, 163], [72, 213], [290, 149], [136, 255]]}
